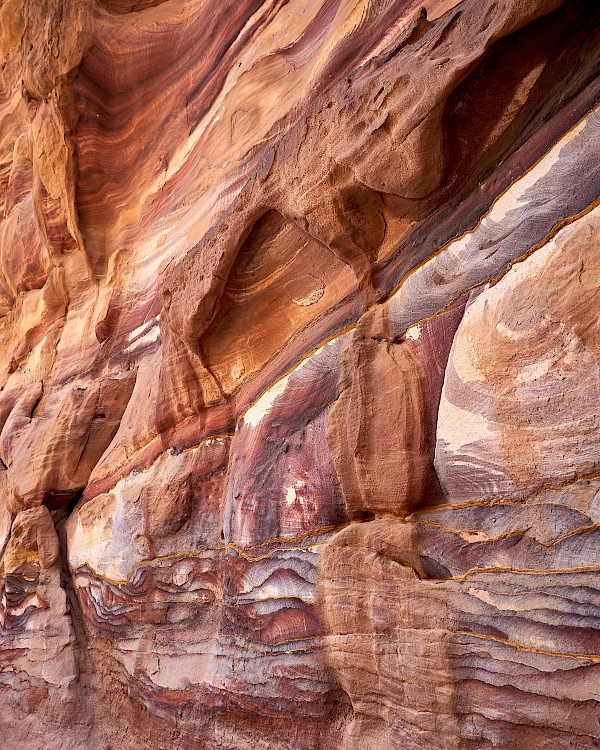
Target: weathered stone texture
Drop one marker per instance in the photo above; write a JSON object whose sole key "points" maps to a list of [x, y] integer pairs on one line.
{"points": [[299, 374]]}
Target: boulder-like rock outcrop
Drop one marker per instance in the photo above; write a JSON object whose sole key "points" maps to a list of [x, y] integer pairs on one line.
{"points": [[299, 374]]}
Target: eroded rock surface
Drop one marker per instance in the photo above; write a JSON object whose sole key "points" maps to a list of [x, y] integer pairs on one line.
{"points": [[299, 371]]}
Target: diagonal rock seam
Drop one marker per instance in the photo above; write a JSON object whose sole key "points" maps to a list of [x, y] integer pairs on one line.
{"points": [[279, 284]]}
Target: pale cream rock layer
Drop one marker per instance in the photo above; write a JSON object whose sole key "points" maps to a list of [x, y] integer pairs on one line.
{"points": [[298, 318], [517, 406]]}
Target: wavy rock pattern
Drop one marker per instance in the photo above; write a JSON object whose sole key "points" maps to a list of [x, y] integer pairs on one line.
{"points": [[299, 369]]}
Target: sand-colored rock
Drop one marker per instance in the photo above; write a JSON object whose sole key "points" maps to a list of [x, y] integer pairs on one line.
{"points": [[298, 374], [527, 350]]}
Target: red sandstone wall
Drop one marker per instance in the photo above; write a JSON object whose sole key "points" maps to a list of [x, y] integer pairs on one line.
{"points": [[299, 374]]}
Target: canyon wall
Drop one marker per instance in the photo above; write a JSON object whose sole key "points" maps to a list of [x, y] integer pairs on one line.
{"points": [[300, 374]]}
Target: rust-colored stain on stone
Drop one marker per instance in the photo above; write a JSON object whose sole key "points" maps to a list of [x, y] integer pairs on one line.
{"points": [[299, 374]]}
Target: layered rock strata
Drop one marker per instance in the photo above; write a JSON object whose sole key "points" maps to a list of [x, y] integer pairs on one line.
{"points": [[299, 366]]}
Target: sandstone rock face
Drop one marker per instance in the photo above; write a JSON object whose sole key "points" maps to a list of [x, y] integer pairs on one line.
{"points": [[299, 374]]}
